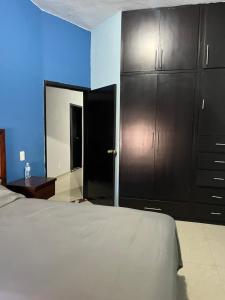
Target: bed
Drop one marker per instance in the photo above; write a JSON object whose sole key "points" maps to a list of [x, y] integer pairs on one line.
{"points": [[54, 251]]}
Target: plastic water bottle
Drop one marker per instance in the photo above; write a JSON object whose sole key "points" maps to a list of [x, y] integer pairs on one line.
{"points": [[27, 171]]}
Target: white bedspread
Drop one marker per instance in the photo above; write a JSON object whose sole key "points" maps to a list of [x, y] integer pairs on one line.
{"points": [[57, 251]]}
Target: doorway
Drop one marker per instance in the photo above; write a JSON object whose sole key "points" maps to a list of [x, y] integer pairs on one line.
{"points": [[63, 108], [87, 147], [76, 138]]}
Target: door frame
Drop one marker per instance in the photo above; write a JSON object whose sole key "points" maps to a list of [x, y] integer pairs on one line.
{"points": [[62, 86], [71, 135]]}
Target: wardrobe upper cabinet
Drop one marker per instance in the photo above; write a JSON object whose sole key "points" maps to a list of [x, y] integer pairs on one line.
{"points": [[214, 37], [179, 32], [138, 108], [212, 103], [140, 34]]}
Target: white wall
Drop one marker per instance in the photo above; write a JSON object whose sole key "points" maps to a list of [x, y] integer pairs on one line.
{"points": [[58, 128], [105, 68]]}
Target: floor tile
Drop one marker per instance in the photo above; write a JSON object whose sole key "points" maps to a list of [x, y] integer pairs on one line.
{"points": [[221, 273], [197, 251], [194, 245], [190, 230], [69, 181], [68, 196], [68, 187], [217, 248], [214, 232], [198, 282]]}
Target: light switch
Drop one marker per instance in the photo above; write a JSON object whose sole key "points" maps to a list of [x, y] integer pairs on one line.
{"points": [[22, 156]]}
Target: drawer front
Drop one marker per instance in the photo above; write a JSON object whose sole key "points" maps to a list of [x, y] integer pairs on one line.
{"points": [[211, 179], [209, 212], [211, 143], [209, 195], [211, 161], [45, 192], [174, 209]]}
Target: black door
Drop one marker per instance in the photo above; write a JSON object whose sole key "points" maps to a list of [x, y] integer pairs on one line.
{"points": [[75, 137], [214, 41], [179, 37], [173, 149], [140, 36], [212, 106], [138, 105], [99, 145]]}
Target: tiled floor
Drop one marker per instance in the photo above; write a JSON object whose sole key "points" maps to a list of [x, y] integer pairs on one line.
{"points": [[68, 187], [202, 247], [203, 252]]}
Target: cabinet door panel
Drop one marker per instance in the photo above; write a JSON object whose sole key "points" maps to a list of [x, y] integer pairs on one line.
{"points": [[138, 102], [173, 151], [214, 42], [212, 110], [140, 35], [179, 37]]}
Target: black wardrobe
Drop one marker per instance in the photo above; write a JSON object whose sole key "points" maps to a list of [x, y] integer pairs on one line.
{"points": [[172, 156]]}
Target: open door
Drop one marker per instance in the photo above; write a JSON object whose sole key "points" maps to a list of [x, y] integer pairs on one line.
{"points": [[99, 145]]}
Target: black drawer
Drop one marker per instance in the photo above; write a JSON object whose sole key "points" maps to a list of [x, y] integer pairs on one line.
{"points": [[211, 143], [174, 209], [211, 161], [209, 213], [211, 179], [209, 195]]}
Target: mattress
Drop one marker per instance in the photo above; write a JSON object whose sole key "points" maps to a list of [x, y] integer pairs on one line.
{"points": [[55, 251]]}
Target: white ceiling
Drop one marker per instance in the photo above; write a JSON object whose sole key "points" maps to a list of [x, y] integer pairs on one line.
{"points": [[90, 13]]}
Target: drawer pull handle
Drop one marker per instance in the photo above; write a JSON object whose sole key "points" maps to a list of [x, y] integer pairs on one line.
{"points": [[217, 197], [220, 144], [152, 208], [215, 213], [217, 178], [219, 161], [207, 55], [203, 104]]}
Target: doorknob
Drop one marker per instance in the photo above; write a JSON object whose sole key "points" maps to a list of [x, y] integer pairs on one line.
{"points": [[111, 151]]}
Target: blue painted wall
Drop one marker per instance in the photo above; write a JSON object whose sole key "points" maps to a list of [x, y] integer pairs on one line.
{"points": [[105, 69], [34, 46], [21, 84], [66, 51]]}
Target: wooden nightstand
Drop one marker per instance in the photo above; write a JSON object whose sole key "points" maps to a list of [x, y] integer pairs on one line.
{"points": [[35, 187]]}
